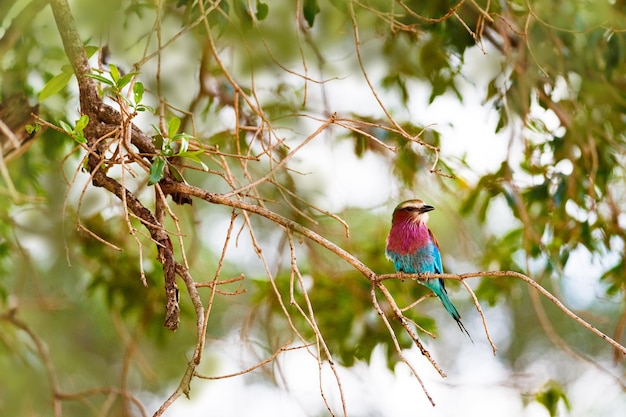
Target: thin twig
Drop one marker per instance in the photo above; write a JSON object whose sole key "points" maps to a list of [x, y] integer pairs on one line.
{"points": [[46, 360], [283, 161], [482, 315], [309, 317], [283, 348], [396, 345], [407, 328], [529, 281]]}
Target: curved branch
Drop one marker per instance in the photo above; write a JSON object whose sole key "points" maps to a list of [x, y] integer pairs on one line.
{"points": [[42, 350], [360, 266], [170, 186], [396, 345], [91, 104], [89, 99], [529, 281]]}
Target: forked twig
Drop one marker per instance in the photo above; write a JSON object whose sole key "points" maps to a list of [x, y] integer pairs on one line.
{"points": [[526, 279], [270, 359], [396, 344], [309, 317], [407, 328], [482, 315]]}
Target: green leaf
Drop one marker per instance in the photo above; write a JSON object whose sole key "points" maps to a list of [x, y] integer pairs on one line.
{"points": [[127, 100], [66, 127], [243, 13], [503, 120], [190, 154], [77, 132], [115, 73], [79, 138], [55, 85], [176, 173], [138, 91], [126, 79], [157, 170], [310, 9], [172, 127], [31, 129], [194, 157], [90, 50], [102, 79], [262, 10], [82, 123], [167, 150], [143, 107], [184, 143], [157, 140], [550, 397]]}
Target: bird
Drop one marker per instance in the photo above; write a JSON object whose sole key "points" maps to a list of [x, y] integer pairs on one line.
{"points": [[414, 249]]}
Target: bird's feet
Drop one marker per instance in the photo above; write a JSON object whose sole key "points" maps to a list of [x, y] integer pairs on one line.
{"points": [[425, 276]]}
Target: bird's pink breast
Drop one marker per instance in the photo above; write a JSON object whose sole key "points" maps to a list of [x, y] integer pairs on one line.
{"points": [[407, 237]]}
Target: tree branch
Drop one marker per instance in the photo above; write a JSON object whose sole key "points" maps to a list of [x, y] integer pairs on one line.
{"points": [[89, 99], [99, 114], [526, 279], [171, 186]]}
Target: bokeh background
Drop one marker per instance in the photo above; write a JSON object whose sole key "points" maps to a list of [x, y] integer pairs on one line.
{"points": [[507, 116]]}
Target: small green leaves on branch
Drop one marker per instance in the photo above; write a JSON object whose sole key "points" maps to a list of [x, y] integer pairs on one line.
{"points": [[77, 132], [115, 84], [157, 170], [262, 10], [33, 129], [173, 145]]}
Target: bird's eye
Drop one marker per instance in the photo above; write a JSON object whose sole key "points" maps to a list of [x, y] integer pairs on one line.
{"points": [[410, 208]]}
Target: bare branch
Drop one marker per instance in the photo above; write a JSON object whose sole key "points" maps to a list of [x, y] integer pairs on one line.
{"points": [[529, 281], [270, 359]]}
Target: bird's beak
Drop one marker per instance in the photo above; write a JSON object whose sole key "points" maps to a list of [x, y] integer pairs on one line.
{"points": [[426, 208]]}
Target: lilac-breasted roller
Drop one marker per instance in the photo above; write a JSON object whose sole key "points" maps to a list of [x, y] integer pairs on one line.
{"points": [[414, 249]]}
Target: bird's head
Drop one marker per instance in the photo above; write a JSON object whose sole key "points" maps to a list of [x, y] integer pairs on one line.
{"points": [[414, 211]]}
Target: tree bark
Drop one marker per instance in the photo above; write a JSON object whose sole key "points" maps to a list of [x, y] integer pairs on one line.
{"points": [[103, 119]]}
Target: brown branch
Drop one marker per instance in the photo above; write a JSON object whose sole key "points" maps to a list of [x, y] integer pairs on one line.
{"points": [[284, 160], [170, 186], [407, 328], [42, 350], [163, 242], [309, 317], [90, 101], [103, 391], [396, 344], [446, 16], [215, 283], [283, 348], [99, 114], [359, 266], [526, 279], [558, 341], [618, 333], [482, 316]]}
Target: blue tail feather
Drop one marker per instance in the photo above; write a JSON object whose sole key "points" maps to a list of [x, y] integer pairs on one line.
{"points": [[438, 287]]}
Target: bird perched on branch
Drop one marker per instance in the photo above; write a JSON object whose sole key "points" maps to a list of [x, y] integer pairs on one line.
{"points": [[414, 249]]}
